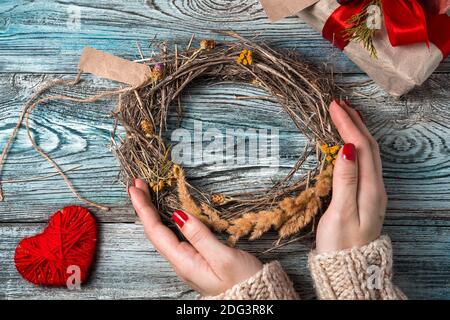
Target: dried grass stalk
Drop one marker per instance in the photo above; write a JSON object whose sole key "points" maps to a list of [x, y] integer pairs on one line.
{"points": [[289, 216]]}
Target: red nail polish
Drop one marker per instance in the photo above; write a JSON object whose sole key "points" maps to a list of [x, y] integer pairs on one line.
{"points": [[180, 218], [349, 152]]}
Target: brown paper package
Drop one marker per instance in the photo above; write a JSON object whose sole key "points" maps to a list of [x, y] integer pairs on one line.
{"points": [[397, 69]]}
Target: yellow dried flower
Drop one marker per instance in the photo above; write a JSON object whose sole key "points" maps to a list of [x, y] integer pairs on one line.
{"points": [[334, 149], [330, 152], [176, 171], [325, 148], [218, 198], [170, 182], [147, 128], [245, 57], [157, 186], [207, 45]]}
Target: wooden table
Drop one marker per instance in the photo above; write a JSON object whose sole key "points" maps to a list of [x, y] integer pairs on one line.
{"points": [[40, 41]]}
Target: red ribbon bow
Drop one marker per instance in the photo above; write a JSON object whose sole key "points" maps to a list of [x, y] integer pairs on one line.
{"points": [[406, 21]]}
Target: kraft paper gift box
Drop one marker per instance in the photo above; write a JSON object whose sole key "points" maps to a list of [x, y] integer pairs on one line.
{"points": [[397, 68]]}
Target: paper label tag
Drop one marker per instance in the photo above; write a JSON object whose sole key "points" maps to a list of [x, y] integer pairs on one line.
{"points": [[108, 66]]}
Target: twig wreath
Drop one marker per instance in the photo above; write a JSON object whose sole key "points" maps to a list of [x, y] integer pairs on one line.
{"points": [[303, 91]]}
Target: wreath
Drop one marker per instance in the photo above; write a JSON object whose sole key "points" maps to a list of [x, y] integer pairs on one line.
{"points": [[304, 94], [303, 91]]}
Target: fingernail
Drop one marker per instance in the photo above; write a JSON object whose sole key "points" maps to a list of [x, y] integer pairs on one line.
{"points": [[349, 152], [180, 218]]}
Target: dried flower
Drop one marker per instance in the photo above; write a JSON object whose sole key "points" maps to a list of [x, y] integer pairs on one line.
{"points": [[289, 217], [330, 152], [176, 171], [147, 128], [334, 149], [156, 73], [187, 202], [241, 227], [157, 186], [170, 182], [214, 219], [296, 223], [324, 182], [266, 220], [207, 45], [245, 57], [218, 198]]}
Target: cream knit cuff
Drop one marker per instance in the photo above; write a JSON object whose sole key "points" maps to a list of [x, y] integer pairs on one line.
{"points": [[358, 273], [270, 283]]}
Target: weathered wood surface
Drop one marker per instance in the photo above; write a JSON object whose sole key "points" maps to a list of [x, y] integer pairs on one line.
{"points": [[128, 267], [37, 37], [413, 133]]}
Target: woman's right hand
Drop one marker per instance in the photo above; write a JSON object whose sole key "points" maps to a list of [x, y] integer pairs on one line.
{"points": [[355, 215], [203, 262]]}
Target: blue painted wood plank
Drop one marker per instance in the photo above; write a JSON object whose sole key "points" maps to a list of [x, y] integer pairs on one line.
{"points": [[127, 267], [41, 36]]}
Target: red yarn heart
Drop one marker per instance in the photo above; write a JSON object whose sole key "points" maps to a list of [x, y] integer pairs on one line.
{"points": [[68, 240]]}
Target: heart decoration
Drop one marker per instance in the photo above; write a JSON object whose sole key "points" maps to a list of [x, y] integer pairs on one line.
{"points": [[67, 243]]}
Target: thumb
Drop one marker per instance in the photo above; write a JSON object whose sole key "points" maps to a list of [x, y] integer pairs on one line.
{"points": [[345, 179], [200, 237]]}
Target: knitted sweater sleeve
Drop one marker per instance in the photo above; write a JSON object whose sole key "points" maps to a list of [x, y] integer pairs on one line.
{"points": [[270, 283], [358, 273]]}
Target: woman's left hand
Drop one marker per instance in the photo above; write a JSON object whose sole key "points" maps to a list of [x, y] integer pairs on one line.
{"points": [[204, 263]]}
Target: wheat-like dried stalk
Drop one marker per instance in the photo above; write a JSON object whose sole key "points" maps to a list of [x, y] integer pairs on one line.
{"points": [[289, 216]]}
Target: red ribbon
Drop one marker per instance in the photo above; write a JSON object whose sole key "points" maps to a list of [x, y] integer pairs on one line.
{"points": [[406, 21]]}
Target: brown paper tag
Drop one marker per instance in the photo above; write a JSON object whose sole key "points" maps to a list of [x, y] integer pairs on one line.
{"points": [[108, 66], [279, 9]]}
